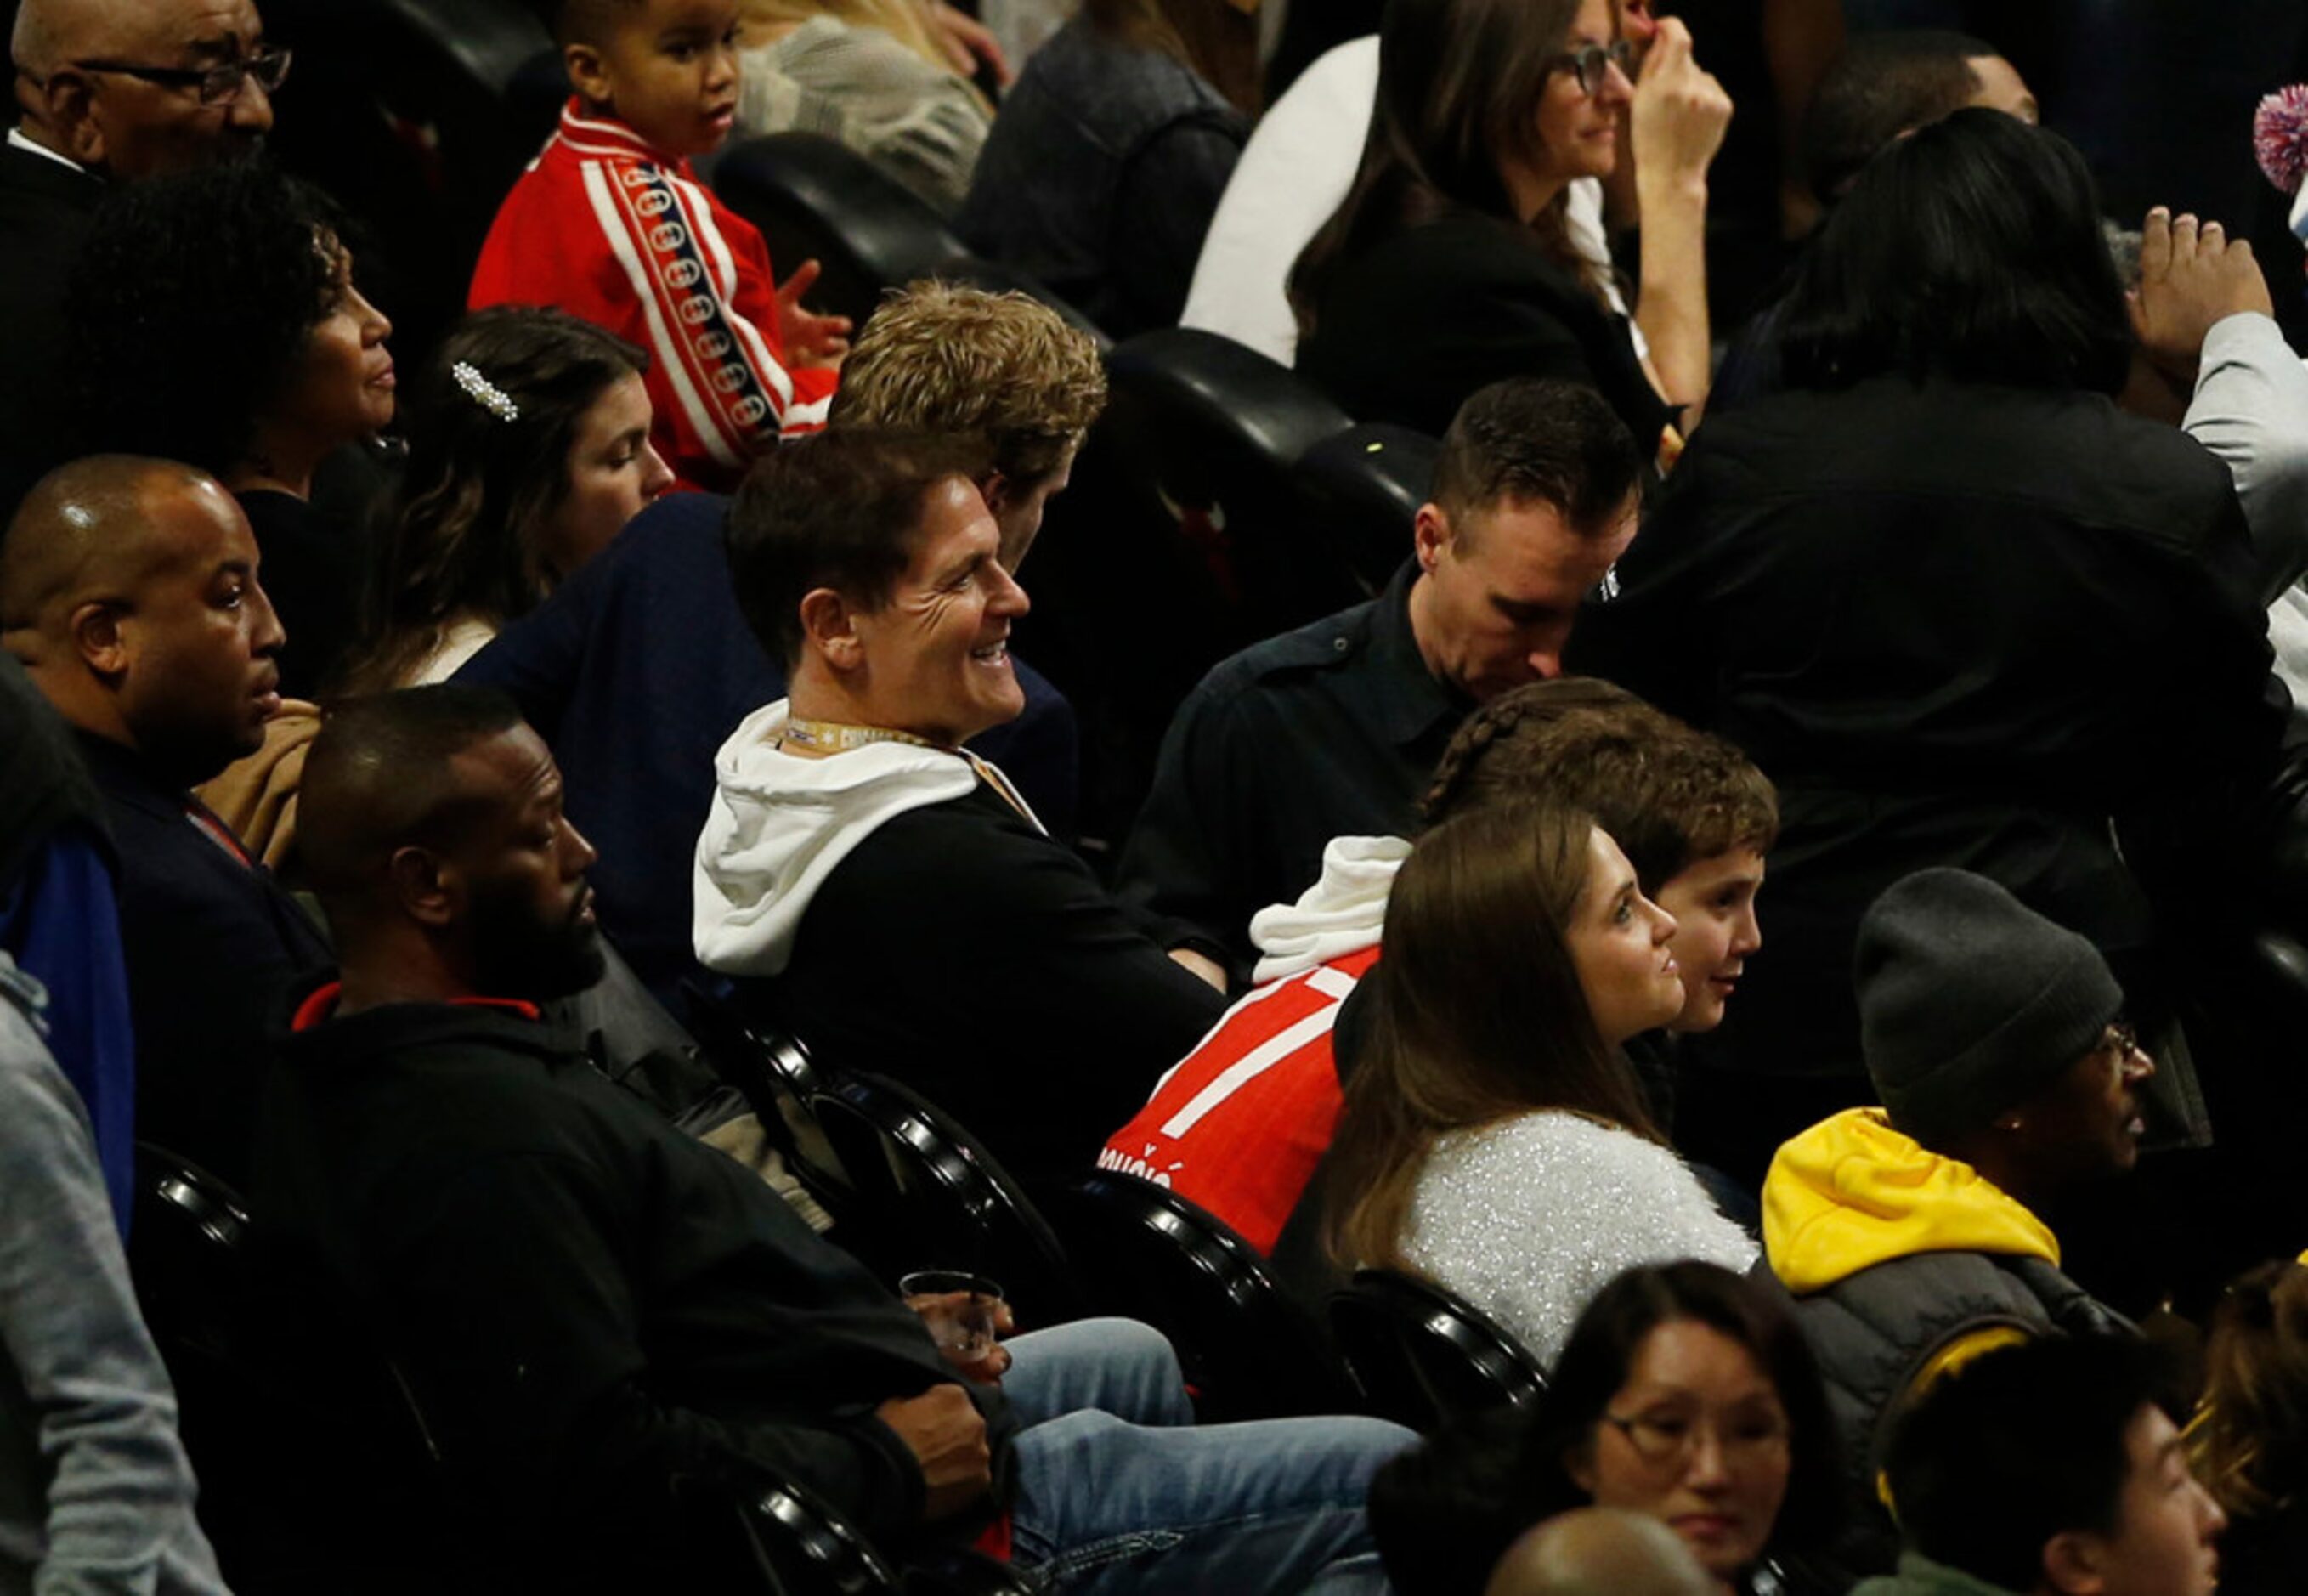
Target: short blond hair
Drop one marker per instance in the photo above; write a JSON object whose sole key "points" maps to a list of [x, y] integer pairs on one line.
{"points": [[937, 356]]}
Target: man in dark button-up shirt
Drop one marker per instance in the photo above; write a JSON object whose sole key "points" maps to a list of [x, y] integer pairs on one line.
{"points": [[1333, 729]]}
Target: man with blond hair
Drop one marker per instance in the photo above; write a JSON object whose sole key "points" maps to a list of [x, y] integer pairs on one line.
{"points": [[639, 668]]}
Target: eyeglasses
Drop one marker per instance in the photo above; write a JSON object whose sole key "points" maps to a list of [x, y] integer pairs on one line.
{"points": [[1592, 63], [1663, 1438], [216, 85]]}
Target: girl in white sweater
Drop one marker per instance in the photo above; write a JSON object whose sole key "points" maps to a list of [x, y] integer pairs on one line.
{"points": [[1492, 1137]]}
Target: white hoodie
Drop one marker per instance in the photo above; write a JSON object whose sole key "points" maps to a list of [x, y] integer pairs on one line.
{"points": [[1342, 913], [780, 826]]}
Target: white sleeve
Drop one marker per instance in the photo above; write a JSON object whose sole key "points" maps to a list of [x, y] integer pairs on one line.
{"points": [[2250, 408], [1530, 1218]]}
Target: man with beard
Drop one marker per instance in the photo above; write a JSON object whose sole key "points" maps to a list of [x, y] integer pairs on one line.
{"points": [[129, 593], [107, 90], [595, 1306]]}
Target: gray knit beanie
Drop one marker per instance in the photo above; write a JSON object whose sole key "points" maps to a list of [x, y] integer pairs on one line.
{"points": [[1970, 1000]]}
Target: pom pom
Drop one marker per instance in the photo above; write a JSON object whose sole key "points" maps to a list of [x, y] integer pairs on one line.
{"points": [[2279, 137]]}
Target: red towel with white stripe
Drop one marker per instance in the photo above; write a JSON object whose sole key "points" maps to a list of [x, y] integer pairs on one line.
{"points": [[607, 228]]}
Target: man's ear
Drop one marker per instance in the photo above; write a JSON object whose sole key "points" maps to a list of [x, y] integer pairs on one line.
{"points": [[997, 492], [830, 630], [2075, 1563], [67, 110], [430, 890], [1430, 534], [588, 72], [99, 639]]}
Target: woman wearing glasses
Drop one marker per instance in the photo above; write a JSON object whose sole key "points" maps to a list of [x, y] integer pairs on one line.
{"points": [[1492, 1137], [1449, 265], [1685, 1393]]}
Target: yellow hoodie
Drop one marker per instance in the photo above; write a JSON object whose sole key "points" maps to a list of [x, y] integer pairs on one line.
{"points": [[1851, 1192]]}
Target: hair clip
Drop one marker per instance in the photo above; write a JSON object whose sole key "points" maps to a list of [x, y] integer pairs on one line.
{"points": [[486, 393]]}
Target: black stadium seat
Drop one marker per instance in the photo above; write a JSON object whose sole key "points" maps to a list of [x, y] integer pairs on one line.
{"points": [[1248, 1350], [1425, 1355], [936, 1199], [816, 199], [1361, 489], [1183, 539]]}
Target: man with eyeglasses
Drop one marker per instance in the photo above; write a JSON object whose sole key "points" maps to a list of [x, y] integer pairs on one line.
{"points": [[1911, 1235], [114, 90]]}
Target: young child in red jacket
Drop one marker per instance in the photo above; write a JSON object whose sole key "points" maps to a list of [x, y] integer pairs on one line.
{"points": [[610, 224]]}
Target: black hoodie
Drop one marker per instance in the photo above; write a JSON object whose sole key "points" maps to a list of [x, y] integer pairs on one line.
{"points": [[590, 1303]]}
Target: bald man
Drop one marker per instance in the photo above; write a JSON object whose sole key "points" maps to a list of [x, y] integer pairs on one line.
{"points": [[129, 593], [1599, 1551], [105, 88]]}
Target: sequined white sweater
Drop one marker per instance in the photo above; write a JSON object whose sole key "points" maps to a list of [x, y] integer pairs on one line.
{"points": [[1528, 1218]]}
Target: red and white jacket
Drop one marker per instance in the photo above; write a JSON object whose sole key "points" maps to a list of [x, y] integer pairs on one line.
{"points": [[1238, 1126], [605, 227]]}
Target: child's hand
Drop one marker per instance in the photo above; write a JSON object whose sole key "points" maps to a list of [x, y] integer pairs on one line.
{"points": [[809, 339]]}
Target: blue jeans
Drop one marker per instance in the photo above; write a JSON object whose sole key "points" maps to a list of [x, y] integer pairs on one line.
{"points": [[1118, 1490]]}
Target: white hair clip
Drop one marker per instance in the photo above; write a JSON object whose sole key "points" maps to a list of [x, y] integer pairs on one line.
{"points": [[486, 393]]}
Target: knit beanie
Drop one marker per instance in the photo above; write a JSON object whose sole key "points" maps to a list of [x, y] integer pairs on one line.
{"points": [[1970, 1000]]}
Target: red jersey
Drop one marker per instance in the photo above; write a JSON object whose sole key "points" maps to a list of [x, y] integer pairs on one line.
{"points": [[1239, 1126], [605, 228]]}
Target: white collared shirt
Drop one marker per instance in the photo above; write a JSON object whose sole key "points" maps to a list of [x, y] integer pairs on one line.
{"points": [[17, 140]]}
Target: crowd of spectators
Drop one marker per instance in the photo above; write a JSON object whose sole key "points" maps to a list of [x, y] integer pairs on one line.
{"points": [[424, 803]]}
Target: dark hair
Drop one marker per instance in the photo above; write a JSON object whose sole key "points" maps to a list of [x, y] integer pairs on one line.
{"points": [[1426, 1506], [2250, 1441], [840, 510], [463, 532], [1215, 40], [1971, 250], [576, 22], [190, 303], [1537, 439], [1458, 83], [1884, 85], [1457, 1041], [1669, 796], [2022, 1445], [376, 778]]}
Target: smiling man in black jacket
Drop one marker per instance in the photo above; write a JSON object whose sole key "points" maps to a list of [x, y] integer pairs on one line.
{"points": [[595, 1306]]}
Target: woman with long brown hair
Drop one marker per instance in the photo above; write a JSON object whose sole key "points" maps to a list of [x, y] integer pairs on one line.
{"points": [[1449, 264], [1110, 153], [1493, 1138]]}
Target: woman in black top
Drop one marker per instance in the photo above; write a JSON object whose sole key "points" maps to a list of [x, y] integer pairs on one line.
{"points": [[1449, 264], [215, 321], [1959, 607]]}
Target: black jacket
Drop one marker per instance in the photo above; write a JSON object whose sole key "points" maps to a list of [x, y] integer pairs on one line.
{"points": [[1332, 730], [213, 945], [44, 214], [1960, 625], [589, 1302], [977, 960], [1407, 329], [314, 569]]}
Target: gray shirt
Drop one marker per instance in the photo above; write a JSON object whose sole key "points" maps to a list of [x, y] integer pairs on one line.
{"points": [[918, 123], [96, 1494]]}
